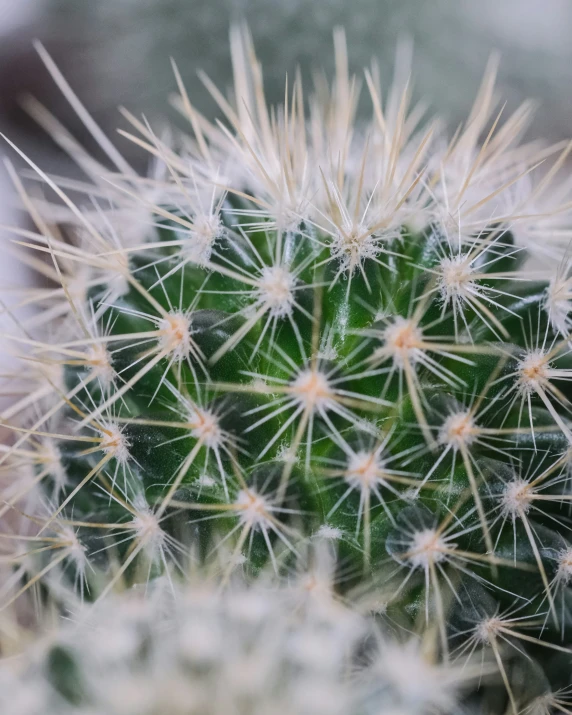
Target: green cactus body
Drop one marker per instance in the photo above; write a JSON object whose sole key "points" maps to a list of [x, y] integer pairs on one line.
{"points": [[321, 330]]}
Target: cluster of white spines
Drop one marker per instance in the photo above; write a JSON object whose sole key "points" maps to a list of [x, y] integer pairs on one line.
{"points": [[352, 187], [264, 649], [356, 208]]}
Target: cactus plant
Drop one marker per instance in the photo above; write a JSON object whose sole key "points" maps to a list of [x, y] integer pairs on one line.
{"points": [[301, 326], [283, 647], [264, 648]]}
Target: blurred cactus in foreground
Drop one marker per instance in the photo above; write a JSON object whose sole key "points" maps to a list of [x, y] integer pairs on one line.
{"points": [[299, 327], [266, 649]]}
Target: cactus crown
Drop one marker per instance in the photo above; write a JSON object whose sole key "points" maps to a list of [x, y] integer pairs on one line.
{"points": [[300, 326]]}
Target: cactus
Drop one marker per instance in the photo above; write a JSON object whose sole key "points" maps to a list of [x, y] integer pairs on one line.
{"points": [[273, 648], [285, 648], [298, 326]]}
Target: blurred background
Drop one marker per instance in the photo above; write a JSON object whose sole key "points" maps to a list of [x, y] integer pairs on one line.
{"points": [[117, 52]]}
